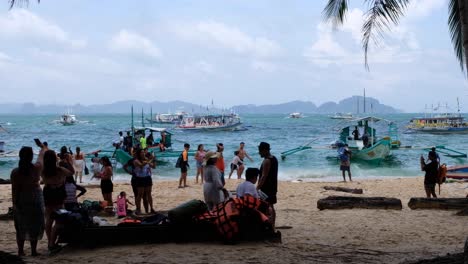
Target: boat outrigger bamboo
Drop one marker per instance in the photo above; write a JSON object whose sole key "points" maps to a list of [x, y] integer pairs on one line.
{"points": [[370, 148], [121, 156]]}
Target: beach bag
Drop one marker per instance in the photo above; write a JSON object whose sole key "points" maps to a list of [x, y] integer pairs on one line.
{"points": [[86, 170], [179, 161], [442, 174]]}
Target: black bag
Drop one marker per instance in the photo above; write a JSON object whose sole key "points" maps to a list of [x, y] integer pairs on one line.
{"points": [[86, 170], [179, 161]]}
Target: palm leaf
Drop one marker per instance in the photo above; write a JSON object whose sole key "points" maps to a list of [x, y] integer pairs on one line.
{"points": [[378, 18], [335, 11], [455, 28], [19, 2]]}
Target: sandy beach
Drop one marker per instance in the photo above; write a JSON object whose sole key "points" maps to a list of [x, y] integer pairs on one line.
{"points": [[308, 234]]}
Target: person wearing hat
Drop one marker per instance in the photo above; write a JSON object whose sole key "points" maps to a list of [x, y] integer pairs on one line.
{"points": [[212, 186], [268, 182]]}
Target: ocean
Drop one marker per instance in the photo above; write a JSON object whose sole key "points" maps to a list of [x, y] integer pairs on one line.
{"points": [[95, 132]]}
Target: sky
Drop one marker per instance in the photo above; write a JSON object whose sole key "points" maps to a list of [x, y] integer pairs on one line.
{"points": [[230, 52]]}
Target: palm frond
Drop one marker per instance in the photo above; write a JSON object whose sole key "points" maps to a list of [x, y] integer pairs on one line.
{"points": [[380, 15], [455, 28], [335, 11], [19, 2]]}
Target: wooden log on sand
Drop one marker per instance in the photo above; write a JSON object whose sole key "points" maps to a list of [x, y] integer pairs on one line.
{"points": [[463, 212], [438, 203], [345, 202], [466, 251], [343, 189]]}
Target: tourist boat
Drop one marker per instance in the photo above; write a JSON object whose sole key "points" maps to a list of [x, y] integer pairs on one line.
{"points": [[167, 118], [342, 116], [440, 123], [210, 122], [295, 115], [457, 172]]}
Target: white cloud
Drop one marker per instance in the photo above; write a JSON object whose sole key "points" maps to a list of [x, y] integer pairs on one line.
{"points": [[264, 66], [4, 57], [205, 67], [126, 41], [21, 23], [423, 8], [229, 37]]}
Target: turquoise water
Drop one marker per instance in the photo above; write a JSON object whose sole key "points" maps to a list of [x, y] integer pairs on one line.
{"points": [[98, 132]]}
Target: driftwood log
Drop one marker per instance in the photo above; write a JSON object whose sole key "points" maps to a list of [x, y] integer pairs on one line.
{"points": [[343, 189], [465, 254], [438, 203], [463, 212], [345, 202]]}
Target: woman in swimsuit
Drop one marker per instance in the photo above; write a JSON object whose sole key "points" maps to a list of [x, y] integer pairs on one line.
{"points": [[53, 177], [107, 187], [144, 182], [199, 157]]}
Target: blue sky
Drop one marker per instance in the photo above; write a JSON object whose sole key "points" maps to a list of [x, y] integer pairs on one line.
{"points": [[232, 52]]}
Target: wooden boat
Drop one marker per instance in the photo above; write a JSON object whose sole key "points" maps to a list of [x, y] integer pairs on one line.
{"points": [[458, 172], [370, 149]]}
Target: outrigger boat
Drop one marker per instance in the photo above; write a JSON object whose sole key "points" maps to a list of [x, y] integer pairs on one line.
{"points": [[210, 122], [457, 172], [67, 119], [168, 118], [119, 155], [372, 149], [342, 116]]}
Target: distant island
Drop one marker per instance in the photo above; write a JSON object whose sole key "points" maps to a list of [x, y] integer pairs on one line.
{"points": [[354, 104]]}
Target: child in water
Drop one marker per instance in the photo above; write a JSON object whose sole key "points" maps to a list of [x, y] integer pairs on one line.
{"points": [[122, 205]]}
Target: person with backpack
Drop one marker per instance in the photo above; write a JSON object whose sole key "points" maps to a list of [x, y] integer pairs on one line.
{"points": [[345, 163]]}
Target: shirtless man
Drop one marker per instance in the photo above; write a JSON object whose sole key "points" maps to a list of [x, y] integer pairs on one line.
{"points": [[242, 152]]}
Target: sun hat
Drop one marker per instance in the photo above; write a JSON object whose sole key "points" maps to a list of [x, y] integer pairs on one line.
{"points": [[210, 155]]}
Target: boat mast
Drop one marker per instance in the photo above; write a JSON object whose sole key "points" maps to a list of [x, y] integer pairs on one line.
{"points": [[133, 133], [364, 100], [458, 107]]}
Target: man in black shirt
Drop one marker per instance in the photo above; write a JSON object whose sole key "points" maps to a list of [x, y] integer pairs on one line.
{"points": [[432, 171], [268, 182]]}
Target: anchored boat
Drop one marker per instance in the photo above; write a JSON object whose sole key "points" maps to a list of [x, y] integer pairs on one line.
{"points": [[210, 122]]}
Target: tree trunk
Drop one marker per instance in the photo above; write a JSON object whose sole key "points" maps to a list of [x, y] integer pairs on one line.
{"points": [[345, 202], [438, 203], [342, 189], [463, 7]]}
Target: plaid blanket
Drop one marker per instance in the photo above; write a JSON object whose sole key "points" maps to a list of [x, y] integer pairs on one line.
{"points": [[227, 215]]}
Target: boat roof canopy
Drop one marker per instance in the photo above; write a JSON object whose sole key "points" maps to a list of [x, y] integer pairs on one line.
{"points": [[356, 121], [152, 129]]}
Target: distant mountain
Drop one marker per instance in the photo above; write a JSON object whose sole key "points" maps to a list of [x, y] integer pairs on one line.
{"points": [[350, 104]]}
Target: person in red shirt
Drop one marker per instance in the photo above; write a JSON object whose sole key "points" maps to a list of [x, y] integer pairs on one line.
{"points": [[220, 161]]}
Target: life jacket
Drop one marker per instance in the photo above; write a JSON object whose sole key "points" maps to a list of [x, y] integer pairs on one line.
{"points": [[442, 174], [121, 206]]}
